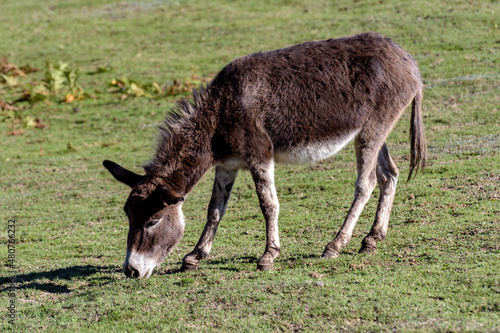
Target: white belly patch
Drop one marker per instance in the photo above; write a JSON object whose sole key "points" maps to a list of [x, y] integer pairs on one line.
{"points": [[304, 154], [233, 163], [313, 152]]}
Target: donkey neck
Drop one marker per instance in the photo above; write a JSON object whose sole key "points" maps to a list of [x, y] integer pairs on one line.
{"points": [[184, 152]]}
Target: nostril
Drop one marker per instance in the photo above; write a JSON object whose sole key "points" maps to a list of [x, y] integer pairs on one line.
{"points": [[130, 271]]}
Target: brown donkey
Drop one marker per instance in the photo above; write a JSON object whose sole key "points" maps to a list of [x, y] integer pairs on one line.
{"points": [[298, 104]]}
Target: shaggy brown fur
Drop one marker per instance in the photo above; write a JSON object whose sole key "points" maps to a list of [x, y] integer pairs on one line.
{"points": [[296, 104]]}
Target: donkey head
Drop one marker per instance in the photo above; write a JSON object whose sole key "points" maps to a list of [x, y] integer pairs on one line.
{"points": [[156, 222]]}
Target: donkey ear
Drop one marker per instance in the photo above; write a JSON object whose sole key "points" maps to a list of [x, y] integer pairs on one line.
{"points": [[121, 174], [168, 197]]}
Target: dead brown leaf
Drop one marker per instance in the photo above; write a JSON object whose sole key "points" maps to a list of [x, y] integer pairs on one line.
{"points": [[7, 106], [16, 132], [7, 68], [39, 124]]}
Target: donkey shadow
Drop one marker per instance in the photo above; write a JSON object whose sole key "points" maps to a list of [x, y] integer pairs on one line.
{"points": [[32, 280], [224, 264]]}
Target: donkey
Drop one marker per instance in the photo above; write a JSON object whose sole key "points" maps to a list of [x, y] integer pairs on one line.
{"points": [[293, 105]]}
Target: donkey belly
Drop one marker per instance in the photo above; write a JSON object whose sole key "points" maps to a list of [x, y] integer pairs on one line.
{"points": [[305, 153], [313, 152]]}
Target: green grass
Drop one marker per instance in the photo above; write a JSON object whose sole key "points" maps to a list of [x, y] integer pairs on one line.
{"points": [[438, 269]]}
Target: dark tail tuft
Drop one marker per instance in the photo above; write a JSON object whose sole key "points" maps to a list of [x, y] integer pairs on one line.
{"points": [[417, 135]]}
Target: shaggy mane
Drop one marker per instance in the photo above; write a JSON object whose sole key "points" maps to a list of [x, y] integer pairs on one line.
{"points": [[183, 112]]}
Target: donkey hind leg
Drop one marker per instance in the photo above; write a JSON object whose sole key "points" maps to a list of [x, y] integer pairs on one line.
{"points": [[263, 176], [223, 183], [366, 155], [387, 177]]}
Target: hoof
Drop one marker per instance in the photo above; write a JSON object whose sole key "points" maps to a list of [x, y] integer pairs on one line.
{"points": [[328, 254], [265, 266], [186, 266], [367, 249]]}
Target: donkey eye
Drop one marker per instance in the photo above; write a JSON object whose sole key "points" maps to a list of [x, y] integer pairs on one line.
{"points": [[152, 223]]}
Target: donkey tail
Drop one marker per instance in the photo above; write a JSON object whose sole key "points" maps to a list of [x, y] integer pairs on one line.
{"points": [[417, 135]]}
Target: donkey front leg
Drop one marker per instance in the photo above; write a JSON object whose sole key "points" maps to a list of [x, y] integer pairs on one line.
{"points": [[223, 183], [263, 176], [387, 177]]}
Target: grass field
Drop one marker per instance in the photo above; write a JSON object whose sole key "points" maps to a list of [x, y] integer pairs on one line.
{"points": [[84, 81]]}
